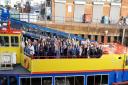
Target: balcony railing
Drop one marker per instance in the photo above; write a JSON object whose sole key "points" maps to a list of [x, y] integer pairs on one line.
{"points": [[29, 17]]}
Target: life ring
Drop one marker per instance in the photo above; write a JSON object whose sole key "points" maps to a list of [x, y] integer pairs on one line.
{"points": [[26, 63]]}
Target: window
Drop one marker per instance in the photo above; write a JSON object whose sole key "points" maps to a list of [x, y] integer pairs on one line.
{"points": [[82, 35], [79, 80], [48, 3], [97, 80], [47, 81], [3, 80], [14, 41], [13, 80], [89, 36], [102, 39], [104, 79], [25, 81], [120, 38], [109, 39], [60, 81], [36, 81], [96, 37], [69, 80], [90, 80], [115, 38], [4, 41]]}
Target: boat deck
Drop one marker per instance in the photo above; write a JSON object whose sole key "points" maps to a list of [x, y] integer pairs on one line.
{"points": [[115, 49], [17, 69]]}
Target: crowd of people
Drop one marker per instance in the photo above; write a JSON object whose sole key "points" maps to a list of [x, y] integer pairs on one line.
{"points": [[61, 47]]}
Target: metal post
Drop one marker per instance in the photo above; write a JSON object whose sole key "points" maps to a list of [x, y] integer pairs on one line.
{"points": [[28, 18], [45, 10], [105, 37], [123, 39], [8, 80]]}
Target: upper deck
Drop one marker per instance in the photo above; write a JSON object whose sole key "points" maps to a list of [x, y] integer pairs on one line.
{"points": [[114, 58]]}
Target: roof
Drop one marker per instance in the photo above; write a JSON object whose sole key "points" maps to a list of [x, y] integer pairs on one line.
{"points": [[46, 29], [10, 32]]}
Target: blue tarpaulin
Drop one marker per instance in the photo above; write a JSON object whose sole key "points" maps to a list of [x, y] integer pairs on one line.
{"points": [[5, 14], [46, 29]]}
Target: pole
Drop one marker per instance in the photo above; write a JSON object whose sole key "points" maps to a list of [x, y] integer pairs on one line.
{"points": [[9, 27], [105, 37], [45, 10], [123, 35]]}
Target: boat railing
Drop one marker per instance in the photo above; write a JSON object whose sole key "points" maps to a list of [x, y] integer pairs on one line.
{"points": [[61, 57]]}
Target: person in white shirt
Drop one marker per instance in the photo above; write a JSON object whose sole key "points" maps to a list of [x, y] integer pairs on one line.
{"points": [[31, 48], [80, 50]]}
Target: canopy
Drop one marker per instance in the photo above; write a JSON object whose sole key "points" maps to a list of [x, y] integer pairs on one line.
{"points": [[46, 29]]}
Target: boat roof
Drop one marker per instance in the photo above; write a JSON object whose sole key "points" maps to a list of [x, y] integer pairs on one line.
{"points": [[10, 32]]}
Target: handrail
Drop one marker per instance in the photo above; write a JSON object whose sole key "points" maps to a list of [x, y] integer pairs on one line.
{"points": [[61, 57]]}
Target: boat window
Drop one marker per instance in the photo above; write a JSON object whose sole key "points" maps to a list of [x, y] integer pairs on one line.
{"points": [[60, 81], [4, 41], [104, 79], [97, 80], [13, 80], [69, 80], [79, 80], [36, 81], [47, 81], [25, 81], [3, 80], [14, 41], [90, 80]]}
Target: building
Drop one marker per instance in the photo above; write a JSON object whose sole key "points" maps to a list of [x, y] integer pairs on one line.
{"points": [[94, 10], [68, 16], [84, 17]]}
